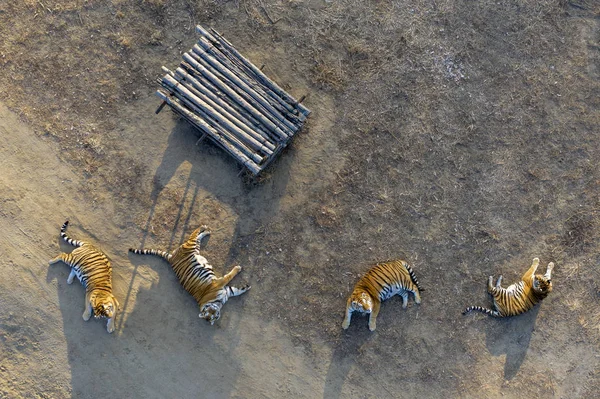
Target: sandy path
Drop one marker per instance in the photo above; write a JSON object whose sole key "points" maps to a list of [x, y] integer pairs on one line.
{"points": [[49, 351]]}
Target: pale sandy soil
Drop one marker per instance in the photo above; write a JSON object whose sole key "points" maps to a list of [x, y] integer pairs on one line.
{"points": [[160, 349]]}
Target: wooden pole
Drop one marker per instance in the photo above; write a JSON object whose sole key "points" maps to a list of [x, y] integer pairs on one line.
{"points": [[196, 77], [225, 109], [241, 93], [242, 147], [235, 66], [160, 107], [222, 111], [190, 106], [199, 70], [205, 127], [233, 95], [175, 86], [257, 72], [213, 62]]}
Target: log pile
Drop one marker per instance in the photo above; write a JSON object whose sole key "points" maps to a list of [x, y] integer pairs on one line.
{"points": [[232, 102]]}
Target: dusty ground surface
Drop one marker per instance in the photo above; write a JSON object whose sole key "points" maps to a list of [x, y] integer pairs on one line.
{"points": [[461, 136]]}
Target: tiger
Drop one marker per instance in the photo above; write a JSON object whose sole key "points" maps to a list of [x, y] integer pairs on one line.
{"points": [[94, 271], [381, 282], [197, 277], [520, 297]]}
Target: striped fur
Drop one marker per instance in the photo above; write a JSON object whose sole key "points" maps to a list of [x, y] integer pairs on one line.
{"points": [[519, 297], [94, 271], [381, 282], [197, 277]]}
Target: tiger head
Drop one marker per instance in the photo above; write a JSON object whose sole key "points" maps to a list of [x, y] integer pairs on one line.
{"points": [[542, 285], [361, 301], [104, 305], [211, 312]]}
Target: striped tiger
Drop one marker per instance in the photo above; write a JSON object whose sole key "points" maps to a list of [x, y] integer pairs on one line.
{"points": [[94, 271], [519, 297], [197, 277], [381, 282]]}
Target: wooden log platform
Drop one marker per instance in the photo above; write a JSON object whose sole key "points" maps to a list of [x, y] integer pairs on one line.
{"points": [[232, 102]]}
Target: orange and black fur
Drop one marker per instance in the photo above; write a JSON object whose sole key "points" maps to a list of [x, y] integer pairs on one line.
{"points": [[519, 297], [197, 277], [381, 282], [94, 271]]}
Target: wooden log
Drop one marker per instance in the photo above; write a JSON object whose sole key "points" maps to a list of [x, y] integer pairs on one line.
{"points": [[241, 93], [250, 153], [214, 114], [266, 146], [216, 64], [286, 110], [233, 95], [221, 106], [230, 116], [205, 127], [238, 60], [160, 107], [235, 66], [186, 103], [230, 87], [256, 81], [202, 70], [257, 72], [224, 134], [219, 96]]}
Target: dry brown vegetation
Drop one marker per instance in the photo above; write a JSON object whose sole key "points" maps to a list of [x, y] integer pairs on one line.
{"points": [[460, 135]]}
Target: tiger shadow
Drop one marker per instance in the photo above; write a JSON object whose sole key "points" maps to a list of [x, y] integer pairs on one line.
{"points": [[254, 203], [212, 170], [159, 346], [344, 357], [165, 323], [511, 336]]}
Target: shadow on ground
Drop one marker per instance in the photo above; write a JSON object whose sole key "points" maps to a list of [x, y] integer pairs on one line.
{"points": [[214, 174], [155, 352], [344, 357], [160, 339], [213, 171], [510, 337]]}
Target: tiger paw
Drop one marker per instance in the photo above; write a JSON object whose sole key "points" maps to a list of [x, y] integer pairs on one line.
{"points": [[237, 269], [204, 229], [86, 315], [345, 324], [110, 327], [372, 326]]}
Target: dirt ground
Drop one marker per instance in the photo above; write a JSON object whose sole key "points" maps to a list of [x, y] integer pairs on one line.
{"points": [[462, 136]]}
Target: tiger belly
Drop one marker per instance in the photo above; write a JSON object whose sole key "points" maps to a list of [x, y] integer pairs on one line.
{"points": [[513, 300], [391, 290], [78, 274]]}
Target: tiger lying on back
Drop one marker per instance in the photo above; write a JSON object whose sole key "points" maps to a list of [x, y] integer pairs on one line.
{"points": [[381, 282], [94, 271], [519, 297], [197, 276]]}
